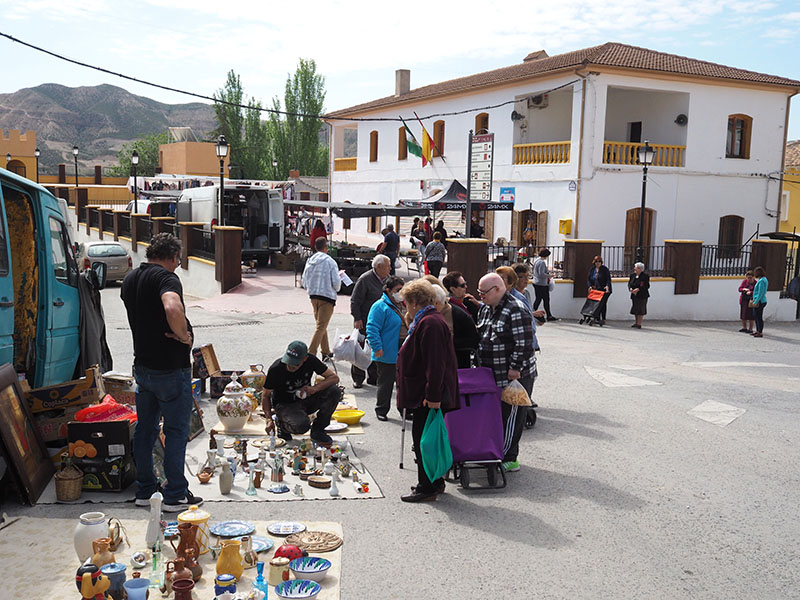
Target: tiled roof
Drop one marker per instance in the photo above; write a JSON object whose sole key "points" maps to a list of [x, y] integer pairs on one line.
{"points": [[610, 54], [792, 154]]}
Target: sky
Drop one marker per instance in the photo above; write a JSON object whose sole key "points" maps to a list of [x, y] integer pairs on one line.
{"points": [[357, 45]]}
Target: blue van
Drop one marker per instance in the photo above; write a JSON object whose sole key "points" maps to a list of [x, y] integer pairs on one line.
{"points": [[39, 302]]}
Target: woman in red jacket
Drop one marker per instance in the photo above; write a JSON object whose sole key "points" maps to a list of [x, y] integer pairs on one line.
{"points": [[318, 232], [427, 375]]}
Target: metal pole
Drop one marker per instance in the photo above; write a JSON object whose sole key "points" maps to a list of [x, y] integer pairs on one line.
{"points": [[221, 189], [640, 249], [76, 170], [135, 192], [469, 186], [37, 169]]}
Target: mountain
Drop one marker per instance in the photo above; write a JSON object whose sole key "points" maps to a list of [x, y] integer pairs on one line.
{"points": [[99, 119]]}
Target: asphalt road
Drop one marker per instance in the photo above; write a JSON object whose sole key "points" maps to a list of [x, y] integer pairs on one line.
{"points": [[622, 493]]}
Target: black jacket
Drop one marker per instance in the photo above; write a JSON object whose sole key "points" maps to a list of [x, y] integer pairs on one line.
{"points": [[366, 292], [465, 336], [601, 280], [642, 282]]}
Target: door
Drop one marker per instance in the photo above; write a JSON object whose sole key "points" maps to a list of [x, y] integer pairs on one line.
{"points": [[635, 132], [541, 228], [6, 292], [632, 236], [276, 218]]}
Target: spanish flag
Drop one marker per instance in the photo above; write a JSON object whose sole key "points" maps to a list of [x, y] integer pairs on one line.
{"points": [[427, 145]]}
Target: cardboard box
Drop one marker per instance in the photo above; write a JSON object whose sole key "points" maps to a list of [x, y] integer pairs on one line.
{"points": [[110, 438], [217, 383], [107, 474], [121, 387], [197, 389], [86, 390], [205, 361], [52, 424]]}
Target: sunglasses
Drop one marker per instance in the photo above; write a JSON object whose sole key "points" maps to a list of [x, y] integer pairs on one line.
{"points": [[484, 293], [461, 285]]}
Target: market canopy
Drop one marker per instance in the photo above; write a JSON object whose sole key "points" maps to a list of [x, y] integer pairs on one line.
{"points": [[455, 198], [345, 210]]}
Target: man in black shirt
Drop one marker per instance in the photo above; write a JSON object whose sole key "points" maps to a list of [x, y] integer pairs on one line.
{"points": [[289, 392], [162, 340], [391, 246]]}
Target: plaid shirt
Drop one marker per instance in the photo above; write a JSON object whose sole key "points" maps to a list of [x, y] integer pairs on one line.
{"points": [[506, 339]]}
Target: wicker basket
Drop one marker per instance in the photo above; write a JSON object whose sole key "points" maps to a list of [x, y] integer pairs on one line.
{"points": [[69, 483]]}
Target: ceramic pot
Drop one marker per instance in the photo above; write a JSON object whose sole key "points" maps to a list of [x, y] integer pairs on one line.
{"points": [[91, 526], [230, 560], [193, 565], [116, 575], [176, 570], [136, 588], [187, 532], [225, 478], [254, 378], [278, 570], [233, 407], [224, 583], [183, 589], [249, 556], [102, 555], [200, 518]]}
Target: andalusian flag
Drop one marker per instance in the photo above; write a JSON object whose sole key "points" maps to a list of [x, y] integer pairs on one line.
{"points": [[412, 143]]}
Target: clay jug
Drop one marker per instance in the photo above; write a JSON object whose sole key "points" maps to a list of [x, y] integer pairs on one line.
{"points": [[230, 560], [183, 589], [225, 479], [176, 570], [193, 565], [254, 378], [188, 539], [102, 555], [249, 556], [92, 525]]}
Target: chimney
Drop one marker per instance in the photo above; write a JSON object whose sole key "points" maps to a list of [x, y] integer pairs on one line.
{"points": [[402, 82], [294, 174], [539, 54]]}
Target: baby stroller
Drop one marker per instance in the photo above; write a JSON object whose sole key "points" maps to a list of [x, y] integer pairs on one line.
{"points": [[476, 429], [595, 301]]}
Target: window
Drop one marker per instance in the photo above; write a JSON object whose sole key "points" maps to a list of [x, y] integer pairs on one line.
{"points": [[738, 141], [438, 138], [731, 228], [635, 132], [482, 123], [402, 146], [106, 250], [64, 266], [785, 206], [373, 146]]}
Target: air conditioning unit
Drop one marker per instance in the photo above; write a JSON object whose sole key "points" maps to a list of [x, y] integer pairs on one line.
{"points": [[540, 101]]}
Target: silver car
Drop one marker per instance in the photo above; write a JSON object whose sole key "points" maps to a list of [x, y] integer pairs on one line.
{"points": [[116, 258]]}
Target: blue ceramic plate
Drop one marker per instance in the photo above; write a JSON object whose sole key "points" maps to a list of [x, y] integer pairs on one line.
{"points": [[259, 543], [286, 528], [298, 588], [232, 528], [171, 529]]}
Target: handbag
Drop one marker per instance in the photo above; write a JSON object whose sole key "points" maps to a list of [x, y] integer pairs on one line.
{"points": [[751, 304]]}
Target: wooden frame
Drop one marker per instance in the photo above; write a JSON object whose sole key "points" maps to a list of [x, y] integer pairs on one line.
{"points": [[402, 144], [27, 456], [743, 123]]}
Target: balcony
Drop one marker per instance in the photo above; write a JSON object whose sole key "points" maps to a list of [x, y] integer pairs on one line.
{"points": [[543, 153], [627, 153], [344, 164]]}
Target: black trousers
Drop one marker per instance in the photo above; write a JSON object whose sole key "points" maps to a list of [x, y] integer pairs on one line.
{"points": [[424, 484], [542, 295], [292, 417], [359, 375], [758, 316], [386, 377], [514, 423], [434, 267]]}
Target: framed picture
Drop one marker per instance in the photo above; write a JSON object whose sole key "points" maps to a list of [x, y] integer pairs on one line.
{"points": [[25, 451], [196, 422]]}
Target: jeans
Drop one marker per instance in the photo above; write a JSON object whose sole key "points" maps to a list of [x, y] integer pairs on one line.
{"points": [[292, 417], [542, 295], [323, 311], [166, 394], [514, 423], [392, 259], [386, 377], [758, 316]]}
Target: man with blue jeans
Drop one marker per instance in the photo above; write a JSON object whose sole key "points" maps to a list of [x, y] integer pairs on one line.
{"points": [[162, 340]]}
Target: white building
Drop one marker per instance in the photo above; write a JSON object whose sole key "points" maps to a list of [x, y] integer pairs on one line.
{"points": [[567, 143]]}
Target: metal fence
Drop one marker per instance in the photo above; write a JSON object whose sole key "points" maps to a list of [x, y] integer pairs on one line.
{"points": [[508, 255], [202, 243], [124, 225], [145, 231], [173, 228], [94, 218], [620, 260], [108, 221], [721, 261]]}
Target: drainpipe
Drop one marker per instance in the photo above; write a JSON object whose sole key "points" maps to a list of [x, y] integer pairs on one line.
{"points": [[584, 79], [783, 160]]}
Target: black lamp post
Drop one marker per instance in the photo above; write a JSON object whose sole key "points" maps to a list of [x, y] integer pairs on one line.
{"points": [[8, 159], [37, 153], [646, 155], [222, 152], [134, 163], [75, 154], [275, 167]]}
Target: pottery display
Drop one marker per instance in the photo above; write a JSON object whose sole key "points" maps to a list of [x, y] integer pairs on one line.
{"points": [[153, 534], [230, 559], [187, 539], [225, 478], [254, 378], [176, 570], [298, 588], [137, 588], [91, 582], [310, 567], [234, 407], [102, 555], [232, 528], [285, 527], [116, 575], [199, 517], [224, 583], [278, 570], [91, 526], [183, 589], [249, 556]]}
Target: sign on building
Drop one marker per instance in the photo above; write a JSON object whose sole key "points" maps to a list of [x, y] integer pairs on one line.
{"points": [[507, 194]]}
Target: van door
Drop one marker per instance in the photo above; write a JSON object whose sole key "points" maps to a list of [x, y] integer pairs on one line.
{"points": [[6, 292], [276, 219]]}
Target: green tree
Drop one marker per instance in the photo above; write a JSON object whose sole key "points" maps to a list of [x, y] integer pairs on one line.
{"points": [[254, 158], [147, 147], [230, 118]]}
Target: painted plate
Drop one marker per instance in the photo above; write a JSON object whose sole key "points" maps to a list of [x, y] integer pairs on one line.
{"points": [[334, 427], [286, 528], [260, 543], [171, 529], [232, 528]]}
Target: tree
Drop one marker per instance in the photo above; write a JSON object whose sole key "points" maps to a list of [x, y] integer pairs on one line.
{"points": [[255, 155], [147, 147]]}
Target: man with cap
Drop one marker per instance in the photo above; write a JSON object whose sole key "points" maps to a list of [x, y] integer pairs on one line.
{"points": [[289, 393]]}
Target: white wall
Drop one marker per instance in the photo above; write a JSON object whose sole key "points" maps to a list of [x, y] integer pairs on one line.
{"points": [[655, 109], [551, 124]]}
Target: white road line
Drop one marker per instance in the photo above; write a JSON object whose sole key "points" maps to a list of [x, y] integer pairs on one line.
{"points": [[757, 365], [628, 367], [611, 379], [716, 412]]}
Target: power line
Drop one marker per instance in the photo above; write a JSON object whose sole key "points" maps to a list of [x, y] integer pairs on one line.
{"points": [[268, 110]]}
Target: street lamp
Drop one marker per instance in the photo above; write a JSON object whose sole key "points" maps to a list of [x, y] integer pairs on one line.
{"points": [[134, 162], [75, 154], [8, 159], [222, 152], [37, 153], [646, 155], [275, 167]]}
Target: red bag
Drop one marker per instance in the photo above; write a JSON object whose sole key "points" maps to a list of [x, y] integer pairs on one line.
{"points": [[108, 410], [596, 294]]}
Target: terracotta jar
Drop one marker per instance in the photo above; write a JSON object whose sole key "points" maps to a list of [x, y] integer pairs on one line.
{"points": [[192, 564], [102, 555], [188, 539], [176, 570], [200, 518], [230, 560], [183, 589]]}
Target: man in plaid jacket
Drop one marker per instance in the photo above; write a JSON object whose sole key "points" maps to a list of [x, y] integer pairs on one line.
{"points": [[506, 346]]}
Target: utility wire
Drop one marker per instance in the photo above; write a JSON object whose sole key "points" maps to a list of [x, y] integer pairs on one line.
{"points": [[268, 110]]}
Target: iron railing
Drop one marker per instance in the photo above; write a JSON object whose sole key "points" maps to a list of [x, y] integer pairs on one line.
{"points": [[725, 260], [108, 221], [202, 243], [145, 230], [508, 255], [620, 260], [124, 225], [94, 218]]}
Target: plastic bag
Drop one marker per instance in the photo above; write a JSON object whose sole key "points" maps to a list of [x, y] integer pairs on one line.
{"points": [[551, 287], [363, 357], [107, 410], [515, 395], [350, 348], [434, 445]]}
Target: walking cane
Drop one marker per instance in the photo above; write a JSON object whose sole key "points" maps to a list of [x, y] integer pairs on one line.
{"points": [[403, 438]]}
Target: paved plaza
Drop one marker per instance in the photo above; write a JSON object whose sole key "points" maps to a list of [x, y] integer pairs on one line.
{"points": [[664, 464]]}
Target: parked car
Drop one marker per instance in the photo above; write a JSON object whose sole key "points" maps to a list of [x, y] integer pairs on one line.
{"points": [[116, 258], [144, 205]]}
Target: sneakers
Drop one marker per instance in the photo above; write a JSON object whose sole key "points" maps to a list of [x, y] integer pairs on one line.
{"points": [[321, 437], [184, 503], [146, 501], [551, 319], [511, 466]]}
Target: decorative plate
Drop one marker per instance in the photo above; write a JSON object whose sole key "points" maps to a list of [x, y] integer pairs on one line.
{"points": [[264, 443], [297, 588], [171, 529], [260, 543], [315, 541], [334, 427], [286, 528], [232, 528]]}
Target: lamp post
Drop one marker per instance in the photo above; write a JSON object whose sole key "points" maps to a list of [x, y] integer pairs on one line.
{"points": [[75, 154], [37, 153], [275, 167], [8, 159], [222, 152], [134, 163], [646, 155]]}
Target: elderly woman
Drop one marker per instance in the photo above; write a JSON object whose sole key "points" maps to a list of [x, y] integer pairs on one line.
{"points": [[745, 295], [385, 331], [426, 375], [639, 287], [465, 334], [600, 279]]}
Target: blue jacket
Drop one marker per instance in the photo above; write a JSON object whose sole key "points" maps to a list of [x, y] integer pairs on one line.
{"points": [[383, 330], [760, 291]]}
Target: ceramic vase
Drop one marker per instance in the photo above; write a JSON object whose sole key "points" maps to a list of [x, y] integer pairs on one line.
{"points": [[183, 589], [230, 560], [153, 533], [136, 588], [225, 479], [102, 555], [176, 570], [116, 575], [249, 556], [187, 532], [192, 564], [91, 526], [233, 407], [199, 517], [254, 378]]}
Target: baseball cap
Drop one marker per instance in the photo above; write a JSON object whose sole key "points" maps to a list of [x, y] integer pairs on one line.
{"points": [[295, 353]]}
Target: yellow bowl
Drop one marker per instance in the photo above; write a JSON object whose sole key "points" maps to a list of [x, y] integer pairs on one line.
{"points": [[351, 417]]}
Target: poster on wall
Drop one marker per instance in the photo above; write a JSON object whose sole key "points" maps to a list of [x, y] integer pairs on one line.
{"points": [[507, 194]]}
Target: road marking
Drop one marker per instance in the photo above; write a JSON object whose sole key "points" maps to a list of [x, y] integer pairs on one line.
{"points": [[713, 365], [611, 379], [716, 412], [628, 367]]}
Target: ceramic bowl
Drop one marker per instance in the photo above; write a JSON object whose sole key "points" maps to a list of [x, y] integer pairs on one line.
{"points": [[310, 567], [320, 481], [298, 588], [351, 417]]}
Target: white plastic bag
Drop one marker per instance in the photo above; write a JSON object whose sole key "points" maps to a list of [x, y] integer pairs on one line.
{"points": [[515, 395], [363, 358], [348, 349]]}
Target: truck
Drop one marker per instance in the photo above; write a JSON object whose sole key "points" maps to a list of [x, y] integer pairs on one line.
{"points": [[258, 210]]}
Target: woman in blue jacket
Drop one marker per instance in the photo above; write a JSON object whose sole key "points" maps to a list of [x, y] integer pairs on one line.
{"points": [[759, 299], [385, 332]]}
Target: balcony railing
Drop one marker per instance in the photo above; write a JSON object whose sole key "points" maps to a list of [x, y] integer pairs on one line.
{"points": [[345, 164], [627, 153], [544, 153], [508, 255]]}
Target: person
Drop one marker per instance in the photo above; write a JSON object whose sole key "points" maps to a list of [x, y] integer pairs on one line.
{"points": [[428, 229], [391, 246], [316, 233], [440, 228], [475, 229], [456, 286], [506, 346], [465, 334], [414, 227], [162, 341], [435, 254], [385, 332], [759, 299], [426, 380], [541, 283], [290, 395], [600, 279], [521, 286], [745, 295], [639, 287], [322, 281], [366, 292]]}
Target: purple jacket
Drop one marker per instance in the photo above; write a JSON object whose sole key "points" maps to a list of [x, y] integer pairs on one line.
{"points": [[427, 366]]}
